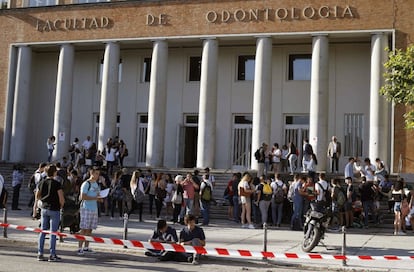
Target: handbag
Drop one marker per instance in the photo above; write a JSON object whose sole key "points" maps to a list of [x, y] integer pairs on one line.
{"points": [[177, 198], [244, 193]]}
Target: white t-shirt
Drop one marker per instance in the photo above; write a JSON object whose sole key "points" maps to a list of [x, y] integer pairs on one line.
{"points": [[277, 153], [320, 190], [277, 183], [87, 144]]}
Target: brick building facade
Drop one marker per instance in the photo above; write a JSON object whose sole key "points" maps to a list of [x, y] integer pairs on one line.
{"points": [[344, 35]]}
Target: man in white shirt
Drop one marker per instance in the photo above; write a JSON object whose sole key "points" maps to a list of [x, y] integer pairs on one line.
{"points": [[334, 151], [205, 203], [211, 178], [87, 143], [368, 170], [321, 186], [349, 168]]}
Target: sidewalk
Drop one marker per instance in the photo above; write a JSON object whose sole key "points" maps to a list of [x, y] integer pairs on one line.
{"points": [[226, 234]]}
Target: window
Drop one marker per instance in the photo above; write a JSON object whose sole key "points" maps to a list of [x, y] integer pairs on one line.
{"points": [[101, 71], [147, 70], [41, 3], [300, 67], [353, 134], [191, 119], [195, 69], [245, 69], [243, 119], [4, 4], [297, 120]]}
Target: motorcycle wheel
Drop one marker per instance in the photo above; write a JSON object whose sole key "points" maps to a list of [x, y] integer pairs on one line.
{"points": [[311, 239]]}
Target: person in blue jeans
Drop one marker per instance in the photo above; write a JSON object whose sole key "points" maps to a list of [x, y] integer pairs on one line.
{"points": [[205, 199], [297, 203], [50, 194], [236, 209]]}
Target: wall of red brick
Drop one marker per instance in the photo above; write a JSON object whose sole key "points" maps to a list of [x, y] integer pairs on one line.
{"points": [[182, 18]]}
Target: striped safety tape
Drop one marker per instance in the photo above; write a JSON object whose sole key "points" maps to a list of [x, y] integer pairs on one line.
{"points": [[209, 251]]}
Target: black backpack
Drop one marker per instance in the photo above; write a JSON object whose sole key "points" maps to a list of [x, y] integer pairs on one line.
{"points": [[326, 195], [257, 154]]}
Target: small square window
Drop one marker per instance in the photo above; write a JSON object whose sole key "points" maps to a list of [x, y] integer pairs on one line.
{"points": [[195, 69], [300, 66], [246, 68], [147, 70]]}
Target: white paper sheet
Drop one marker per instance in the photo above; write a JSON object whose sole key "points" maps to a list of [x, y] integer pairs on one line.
{"points": [[104, 193]]}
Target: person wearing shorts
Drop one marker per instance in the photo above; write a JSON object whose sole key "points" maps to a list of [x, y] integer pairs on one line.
{"points": [[89, 195]]}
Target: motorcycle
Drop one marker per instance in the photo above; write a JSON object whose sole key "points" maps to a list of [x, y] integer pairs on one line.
{"points": [[317, 221]]}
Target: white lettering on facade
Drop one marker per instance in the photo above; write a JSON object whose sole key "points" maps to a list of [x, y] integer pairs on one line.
{"points": [[282, 13], [157, 20], [68, 24]]}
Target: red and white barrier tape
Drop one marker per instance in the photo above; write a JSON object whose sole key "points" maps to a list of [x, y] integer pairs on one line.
{"points": [[209, 251]]}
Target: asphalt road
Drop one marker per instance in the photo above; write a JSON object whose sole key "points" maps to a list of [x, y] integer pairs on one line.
{"points": [[21, 256]]}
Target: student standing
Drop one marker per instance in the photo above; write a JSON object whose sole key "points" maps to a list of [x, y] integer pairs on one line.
{"points": [[89, 194]]}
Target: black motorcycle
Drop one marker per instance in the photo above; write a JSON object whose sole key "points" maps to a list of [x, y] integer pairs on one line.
{"points": [[317, 221]]}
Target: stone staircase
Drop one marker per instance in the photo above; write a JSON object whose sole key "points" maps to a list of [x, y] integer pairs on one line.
{"points": [[218, 211]]}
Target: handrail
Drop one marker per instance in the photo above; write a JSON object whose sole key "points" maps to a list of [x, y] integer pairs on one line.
{"points": [[238, 160]]}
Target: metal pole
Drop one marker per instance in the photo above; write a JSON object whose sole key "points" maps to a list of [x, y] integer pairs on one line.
{"points": [[125, 236], [265, 239], [343, 252], [5, 222]]}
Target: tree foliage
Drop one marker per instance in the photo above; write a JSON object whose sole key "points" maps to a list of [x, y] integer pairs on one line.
{"points": [[399, 80]]}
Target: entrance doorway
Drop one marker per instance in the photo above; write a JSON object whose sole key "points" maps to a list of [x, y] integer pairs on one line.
{"points": [[187, 142], [190, 146], [242, 141], [142, 130]]}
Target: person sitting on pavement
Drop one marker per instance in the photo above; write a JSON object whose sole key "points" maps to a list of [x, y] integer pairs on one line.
{"points": [[192, 235], [162, 234]]}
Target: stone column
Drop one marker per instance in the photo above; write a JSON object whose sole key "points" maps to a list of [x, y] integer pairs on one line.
{"points": [[21, 105], [109, 94], [262, 96], [63, 101], [319, 99], [379, 116], [11, 85], [157, 104], [206, 144]]}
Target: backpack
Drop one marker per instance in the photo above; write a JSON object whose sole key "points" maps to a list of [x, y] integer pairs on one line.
{"points": [[340, 197], [279, 194], [257, 154], [116, 192], [177, 197], [32, 183], [326, 195], [139, 196], [206, 194], [267, 191], [308, 149]]}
